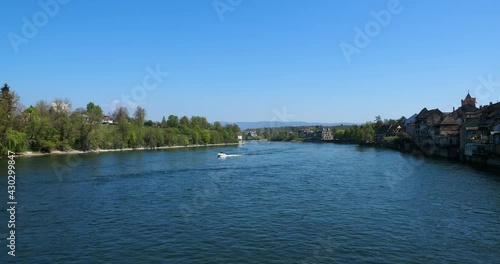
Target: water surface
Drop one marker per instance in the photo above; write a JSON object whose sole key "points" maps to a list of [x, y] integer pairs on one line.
{"points": [[276, 203]]}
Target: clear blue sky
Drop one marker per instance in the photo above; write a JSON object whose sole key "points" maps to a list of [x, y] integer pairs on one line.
{"points": [[266, 60]]}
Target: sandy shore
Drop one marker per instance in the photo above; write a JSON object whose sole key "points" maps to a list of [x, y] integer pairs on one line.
{"points": [[58, 152]]}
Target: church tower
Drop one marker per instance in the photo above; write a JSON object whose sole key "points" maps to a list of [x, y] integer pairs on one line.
{"points": [[469, 100]]}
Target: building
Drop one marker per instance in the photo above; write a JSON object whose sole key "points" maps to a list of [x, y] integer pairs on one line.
{"points": [[107, 120], [469, 101], [385, 131], [252, 134], [439, 133], [409, 125], [425, 123], [447, 137], [410, 120], [305, 133], [381, 133], [480, 134], [448, 131], [324, 134]]}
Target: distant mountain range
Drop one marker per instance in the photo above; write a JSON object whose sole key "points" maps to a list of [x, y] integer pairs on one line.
{"points": [[263, 124]]}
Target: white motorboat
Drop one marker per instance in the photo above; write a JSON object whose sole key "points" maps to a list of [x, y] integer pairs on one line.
{"points": [[221, 155]]}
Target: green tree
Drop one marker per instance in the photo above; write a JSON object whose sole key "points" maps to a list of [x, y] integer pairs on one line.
{"points": [[152, 138], [170, 136], [392, 122], [182, 140], [59, 114], [368, 133], [81, 131], [149, 123], [403, 137], [91, 107], [39, 129], [120, 115], [378, 121], [199, 121], [140, 116], [94, 113], [164, 123], [215, 137], [86, 131], [205, 136], [9, 103], [13, 141], [30, 115], [184, 122], [218, 126], [401, 120], [173, 121], [339, 134], [45, 127], [195, 137]]}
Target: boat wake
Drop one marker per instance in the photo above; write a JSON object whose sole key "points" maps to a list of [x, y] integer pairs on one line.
{"points": [[222, 155]]}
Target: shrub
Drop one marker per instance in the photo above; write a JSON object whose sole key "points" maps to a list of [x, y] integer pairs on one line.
{"points": [[47, 146]]}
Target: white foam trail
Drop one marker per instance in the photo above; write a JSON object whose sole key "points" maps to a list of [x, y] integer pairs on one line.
{"points": [[228, 156]]}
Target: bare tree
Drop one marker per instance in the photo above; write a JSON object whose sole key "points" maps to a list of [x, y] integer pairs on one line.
{"points": [[120, 115]]}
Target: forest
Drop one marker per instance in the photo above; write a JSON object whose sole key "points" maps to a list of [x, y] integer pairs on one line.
{"points": [[46, 127]]}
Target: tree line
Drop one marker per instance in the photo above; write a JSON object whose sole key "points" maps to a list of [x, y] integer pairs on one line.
{"points": [[353, 134], [364, 133], [55, 126]]}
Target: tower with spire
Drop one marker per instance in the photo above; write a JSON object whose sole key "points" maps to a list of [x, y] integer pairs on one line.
{"points": [[469, 100]]}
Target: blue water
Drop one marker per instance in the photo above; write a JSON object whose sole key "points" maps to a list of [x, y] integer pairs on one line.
{"points": [[276, 203]]}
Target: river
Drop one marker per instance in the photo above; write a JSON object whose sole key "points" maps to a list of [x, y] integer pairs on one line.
{"points": [[274, 203]]}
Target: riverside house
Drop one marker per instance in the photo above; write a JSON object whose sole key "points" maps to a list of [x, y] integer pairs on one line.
{"points": [[471, 133], [324, 134], [425, 123], [385, 131], [480, 136], [107, 120]]}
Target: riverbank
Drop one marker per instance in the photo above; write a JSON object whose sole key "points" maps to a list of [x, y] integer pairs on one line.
{"points": [[58, 152], [412, 149]]}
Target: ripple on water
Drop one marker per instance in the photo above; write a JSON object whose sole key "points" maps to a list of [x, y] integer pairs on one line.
{"points": [[276, 203]]}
